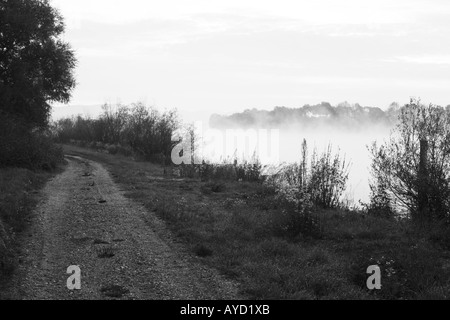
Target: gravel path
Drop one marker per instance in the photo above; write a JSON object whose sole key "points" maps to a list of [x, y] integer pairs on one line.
{"points": [[123, 251]]}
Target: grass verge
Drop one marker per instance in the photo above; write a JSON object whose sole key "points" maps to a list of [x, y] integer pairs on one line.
{"points": [[19, 193]]}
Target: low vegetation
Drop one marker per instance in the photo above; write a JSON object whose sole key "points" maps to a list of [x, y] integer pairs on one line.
{"points": [[27, 147], [18, 196], [28, 157]]}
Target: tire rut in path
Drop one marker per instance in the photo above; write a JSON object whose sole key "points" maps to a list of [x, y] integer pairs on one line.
{"points": [[121, 248]]}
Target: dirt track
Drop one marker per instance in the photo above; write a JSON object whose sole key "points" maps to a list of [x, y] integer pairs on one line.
{"points": [[123, 251]]}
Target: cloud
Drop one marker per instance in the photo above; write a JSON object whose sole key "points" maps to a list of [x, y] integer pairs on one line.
{"points": [[424, 59], [209, 51], [306, 12], [430, 59], [179, 21], [319, 11]]}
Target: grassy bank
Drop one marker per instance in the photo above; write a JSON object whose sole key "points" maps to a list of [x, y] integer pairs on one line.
{"points": [[19, 193], [238, 228]]}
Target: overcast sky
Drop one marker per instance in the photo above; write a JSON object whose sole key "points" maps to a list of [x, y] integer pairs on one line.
{"points": [[207, 56]]}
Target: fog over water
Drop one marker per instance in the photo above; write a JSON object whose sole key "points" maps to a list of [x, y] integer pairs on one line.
{"points": [[349, 129], [351, 144]]}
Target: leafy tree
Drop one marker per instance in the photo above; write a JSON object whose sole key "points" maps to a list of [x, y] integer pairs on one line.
{"points": [[36, 66], [412, 168]]}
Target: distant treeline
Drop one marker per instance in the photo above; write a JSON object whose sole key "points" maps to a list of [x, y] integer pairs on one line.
{"points": [[344, 116], [136, 129]]}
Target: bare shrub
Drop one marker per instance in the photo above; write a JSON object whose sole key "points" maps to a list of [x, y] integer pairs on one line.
{"points": [[135, 129], [328, 178], [302, 186], [414, 164], [112, 149], [322, 181]]}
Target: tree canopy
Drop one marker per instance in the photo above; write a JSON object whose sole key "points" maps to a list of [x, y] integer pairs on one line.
{"points": [[36, 65]]}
